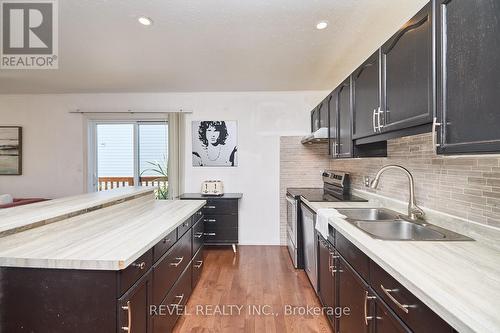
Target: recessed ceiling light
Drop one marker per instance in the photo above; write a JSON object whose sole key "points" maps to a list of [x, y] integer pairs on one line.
{"points": [[322, 25], [144, 20]]}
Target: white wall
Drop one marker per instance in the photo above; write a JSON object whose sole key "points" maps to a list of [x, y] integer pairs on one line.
{"points": [[54, 144]]}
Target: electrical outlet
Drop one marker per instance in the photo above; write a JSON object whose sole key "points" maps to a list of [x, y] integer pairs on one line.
{"points": [[367, 181]]}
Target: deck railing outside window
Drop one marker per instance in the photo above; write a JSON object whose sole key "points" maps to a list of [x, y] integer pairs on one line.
{"points": [[108, 183]]}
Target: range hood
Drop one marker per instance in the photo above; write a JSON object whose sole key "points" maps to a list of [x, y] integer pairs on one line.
{"points": [[320, 136]]}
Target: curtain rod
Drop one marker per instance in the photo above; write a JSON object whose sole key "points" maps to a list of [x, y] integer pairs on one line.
{"points": [[131, 111]]}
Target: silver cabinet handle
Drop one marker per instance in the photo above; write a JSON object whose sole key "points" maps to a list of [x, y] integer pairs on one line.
{"points": [[166, 240], [180, 297], [128, 308], [388, 292], [209, 207], [366, 307], [200, 263], [198, 235], [434, 134], [175, 264], [209, 233], [373, 120], [141, 266], [379, 124], [209, 220]]}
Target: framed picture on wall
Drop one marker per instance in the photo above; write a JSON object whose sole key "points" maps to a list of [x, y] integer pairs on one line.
{"points": [[215, 143], [10, 150]]}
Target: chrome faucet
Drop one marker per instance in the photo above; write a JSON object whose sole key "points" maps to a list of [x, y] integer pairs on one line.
{"points": [[414, 212]]}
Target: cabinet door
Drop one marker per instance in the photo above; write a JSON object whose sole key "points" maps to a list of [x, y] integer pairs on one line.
{"points": [[407, 74], [366, 97], [324, 273], [468, 76], [344, 149], [133, 307], [354, 293], [327, 260], [333, 127], [315, 120], [387, 321], [323, 114]]}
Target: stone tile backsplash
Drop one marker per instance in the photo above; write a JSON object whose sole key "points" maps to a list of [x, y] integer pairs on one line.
{"points": [[300, 166], [464, 186]]}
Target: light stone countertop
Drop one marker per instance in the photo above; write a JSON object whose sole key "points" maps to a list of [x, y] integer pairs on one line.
{"points": [[109, 238], [460, 281], [16, 219]]}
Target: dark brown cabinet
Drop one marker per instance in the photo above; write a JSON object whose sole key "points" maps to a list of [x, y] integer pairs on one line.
{"points": [[355, 294], [319, 116], [327, 283], [468, 88], [402, 302], [340, 120], [128, 300], [348, 278], [366, 98], [408, 75], [387, 321], [220, 220], [133, 307], [173, 305]]}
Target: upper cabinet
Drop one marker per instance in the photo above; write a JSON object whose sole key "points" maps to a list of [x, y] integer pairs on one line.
{"points": [[441, 68], [468, 90], [407, 75], [366, 98], [340, 120], [319, 116]]}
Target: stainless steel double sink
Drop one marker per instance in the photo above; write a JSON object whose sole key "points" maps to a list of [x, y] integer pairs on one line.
{"points": [[385, 224]]}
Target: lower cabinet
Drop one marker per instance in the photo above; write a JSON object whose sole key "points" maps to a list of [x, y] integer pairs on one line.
{"points": [[375, 301], [147, 296], [173, 306], [387, 321], [327, 276], [133, 307], [354, 294]]}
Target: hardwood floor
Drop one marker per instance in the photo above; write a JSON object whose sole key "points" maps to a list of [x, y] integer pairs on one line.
{"points": [[256, 278]]}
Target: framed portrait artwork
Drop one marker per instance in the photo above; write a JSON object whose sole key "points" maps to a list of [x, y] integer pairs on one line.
{"points": [[215, 143], [10, 150]]}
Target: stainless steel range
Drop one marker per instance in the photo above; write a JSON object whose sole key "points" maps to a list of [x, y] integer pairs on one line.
{"points": [[301, 231]]}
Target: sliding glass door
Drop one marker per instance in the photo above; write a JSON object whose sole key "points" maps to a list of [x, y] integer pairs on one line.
{"points": [[128, 154]]}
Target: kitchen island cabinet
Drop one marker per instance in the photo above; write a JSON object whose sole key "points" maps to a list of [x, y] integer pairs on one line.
{"points": [[107, 270]]}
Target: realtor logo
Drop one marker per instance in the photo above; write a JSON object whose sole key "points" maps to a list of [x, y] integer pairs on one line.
{"points": [[29, 34]]}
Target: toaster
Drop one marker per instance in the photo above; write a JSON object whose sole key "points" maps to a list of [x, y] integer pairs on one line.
{"points": [[212, 187]]}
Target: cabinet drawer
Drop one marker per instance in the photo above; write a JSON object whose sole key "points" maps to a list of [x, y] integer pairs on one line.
{"points": [[406, 305], [135, 271], [162, 246], [185, 226], [220, 206], [173, 305], [198, 262], [215, 234], [170, 266], [197, 232], [197, 216], [354, 256], [223, 221]]}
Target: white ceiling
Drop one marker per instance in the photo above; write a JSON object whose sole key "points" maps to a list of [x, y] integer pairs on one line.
{"points": [[210, 45]]}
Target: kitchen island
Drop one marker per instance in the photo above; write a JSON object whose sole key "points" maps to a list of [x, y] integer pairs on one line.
{"points": [[99, 265]]}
